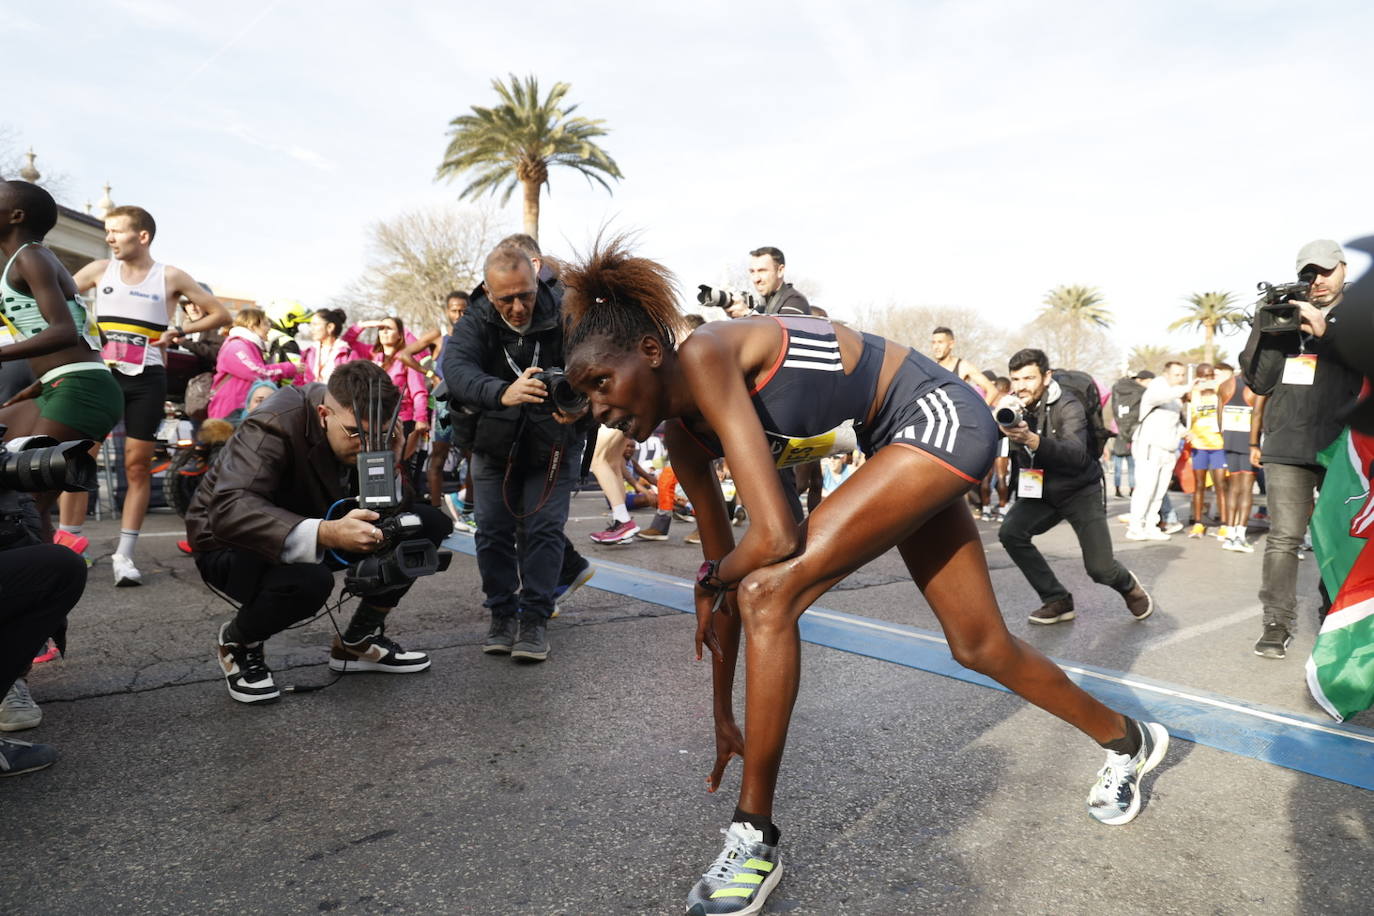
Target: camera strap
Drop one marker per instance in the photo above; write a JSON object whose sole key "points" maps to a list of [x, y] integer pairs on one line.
{"points": [[550, 473]]}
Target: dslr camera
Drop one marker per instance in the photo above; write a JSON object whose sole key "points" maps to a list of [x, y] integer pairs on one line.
{"points": [[1277, 311], [38, 464], [562, 395], [720, 298], [404, 553]]}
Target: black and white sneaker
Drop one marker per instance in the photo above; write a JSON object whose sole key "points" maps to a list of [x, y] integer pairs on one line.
{"points": [[1115, 797], [375, 652], [246, 673], [1274, 641]]}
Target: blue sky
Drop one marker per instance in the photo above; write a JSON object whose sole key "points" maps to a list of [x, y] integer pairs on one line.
{"points": [[972, 153]]}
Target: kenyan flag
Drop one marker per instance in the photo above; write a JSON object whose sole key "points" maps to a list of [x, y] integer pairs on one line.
{"points": [[1340, 672]]}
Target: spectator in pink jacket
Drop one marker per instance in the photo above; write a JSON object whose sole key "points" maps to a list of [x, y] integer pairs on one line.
{"points": [[414, 412], [240, 363], [333, 346]]}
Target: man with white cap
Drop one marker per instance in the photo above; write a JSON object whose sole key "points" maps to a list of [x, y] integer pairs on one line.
{"points": [[1308, 388]]}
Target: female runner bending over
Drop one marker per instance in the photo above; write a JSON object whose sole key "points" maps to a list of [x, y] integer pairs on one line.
{"points": [[773, 391]]}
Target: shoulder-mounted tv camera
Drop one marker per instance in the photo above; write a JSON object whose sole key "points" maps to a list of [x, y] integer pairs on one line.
{"points": [[1277, 311]]}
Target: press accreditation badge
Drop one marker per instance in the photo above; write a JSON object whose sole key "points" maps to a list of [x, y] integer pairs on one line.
{"points": [[1030, 483], [1300, 370]]}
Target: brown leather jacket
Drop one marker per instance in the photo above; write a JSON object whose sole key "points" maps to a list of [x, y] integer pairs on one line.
{"points": [[275, 471]]}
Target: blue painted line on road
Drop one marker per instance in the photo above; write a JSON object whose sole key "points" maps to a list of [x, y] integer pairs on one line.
{"points": [[1343, 753]]}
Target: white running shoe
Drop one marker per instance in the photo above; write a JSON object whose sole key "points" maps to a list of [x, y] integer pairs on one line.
{"points": [[1115, 797], [125, 572]]}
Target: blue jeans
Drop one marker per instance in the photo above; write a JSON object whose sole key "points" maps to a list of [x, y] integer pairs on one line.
{"points": [[520, 558], [1128, 462], [1290, 508]]}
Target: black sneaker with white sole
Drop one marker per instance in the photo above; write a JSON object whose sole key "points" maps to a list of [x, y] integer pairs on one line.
{"points": [[245, 671], [375, 652], [1273, 643]]}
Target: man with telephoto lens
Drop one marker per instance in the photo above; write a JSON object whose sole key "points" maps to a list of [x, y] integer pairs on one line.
{"points": [[270, 524], [1058, 478], [526, 454], [1309, 390], [775, 295]]}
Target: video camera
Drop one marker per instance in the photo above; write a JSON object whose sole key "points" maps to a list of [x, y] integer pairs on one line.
{"points": [[721, 298], [403, 554], [38, 464], [1277, 312]]}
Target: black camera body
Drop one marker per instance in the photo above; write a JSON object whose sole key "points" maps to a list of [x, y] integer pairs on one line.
{"points": [[720, 298], [562, 395], [38, 464], [1277, 311], [403, 555]]}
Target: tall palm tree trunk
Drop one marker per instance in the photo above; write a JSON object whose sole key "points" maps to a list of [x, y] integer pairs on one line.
{"points": [[532, 189], [1208, 351]]}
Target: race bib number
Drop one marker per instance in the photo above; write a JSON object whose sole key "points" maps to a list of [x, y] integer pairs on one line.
{"points": [[789, 452], [1030, 483], [1236, 419], [125, 351], [8, 333], [1300, 370]]}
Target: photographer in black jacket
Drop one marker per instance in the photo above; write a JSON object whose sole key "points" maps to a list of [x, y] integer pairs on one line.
{"points": [[525, 455], [1309, 390], [767, 268], [1058, 478], [39, 585]]}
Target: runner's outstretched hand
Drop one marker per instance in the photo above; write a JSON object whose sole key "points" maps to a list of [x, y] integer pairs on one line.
{"points": [[729, 743]]}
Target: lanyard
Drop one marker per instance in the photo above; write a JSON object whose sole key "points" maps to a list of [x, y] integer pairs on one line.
{"points": [[514, 367]]}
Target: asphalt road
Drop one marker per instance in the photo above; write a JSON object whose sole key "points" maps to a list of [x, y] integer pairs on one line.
{"points": [[577, 786]]}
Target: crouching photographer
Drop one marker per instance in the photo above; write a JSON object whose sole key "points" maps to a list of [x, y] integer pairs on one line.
{"points": [[1055, 449], [39, 583], [307, 486]]}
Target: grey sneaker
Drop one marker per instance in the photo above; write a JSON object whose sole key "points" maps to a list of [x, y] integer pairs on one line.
{"points": [[1115, 797], [18, 711], [501, 635], [21, 757], [1274, 642], [741, 878], [532, 645]]}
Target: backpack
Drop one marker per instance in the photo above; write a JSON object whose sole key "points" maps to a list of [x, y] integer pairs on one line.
{"points": [[1126, 395], [1082, 386]]}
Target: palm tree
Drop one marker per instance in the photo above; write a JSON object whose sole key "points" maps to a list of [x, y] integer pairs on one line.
{"points": [[1210, 311], [1081, 305], [517, 141], [1148, 356]]}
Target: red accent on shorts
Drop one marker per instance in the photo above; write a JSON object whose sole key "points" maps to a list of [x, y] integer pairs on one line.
{"points": [[938, 460], [777, 363]]}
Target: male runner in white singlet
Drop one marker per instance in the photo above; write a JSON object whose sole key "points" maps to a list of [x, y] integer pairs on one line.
{"points": [[135, 303]]}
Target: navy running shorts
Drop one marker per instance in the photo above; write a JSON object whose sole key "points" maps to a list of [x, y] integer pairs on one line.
{"points": [[949, 422]]}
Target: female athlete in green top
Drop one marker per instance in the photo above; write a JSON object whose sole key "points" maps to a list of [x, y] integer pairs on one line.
{"points": [[43, 320]]}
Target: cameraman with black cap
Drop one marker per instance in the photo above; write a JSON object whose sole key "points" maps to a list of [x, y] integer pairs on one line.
{"points": [[1309, 390], [526, 455], [268, 531]]}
